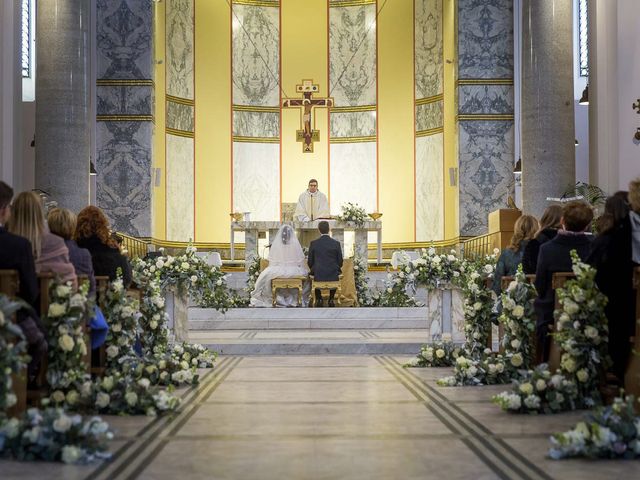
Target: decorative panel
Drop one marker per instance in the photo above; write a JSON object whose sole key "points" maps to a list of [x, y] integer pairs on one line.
{"points": [[179, 48], [428, 48], [180, 197], [485, 99], [429, 115], [353, 124], [256, 179], [180, 116], [429, 191], [256, 124], [353, 175], [124, 53]]}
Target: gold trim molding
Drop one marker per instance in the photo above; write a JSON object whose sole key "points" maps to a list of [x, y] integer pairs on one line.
{"points": [[350, 3], [428, 100], [485, 81], [124, 118], [124, 82], [239, 138], [181, 101], [368, 138], [179, 133], [255, 109], [484, 117], [429, 131], [356, 108], [257, 3]]}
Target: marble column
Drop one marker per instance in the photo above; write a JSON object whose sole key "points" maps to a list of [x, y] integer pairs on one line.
{"points": [[62, 101], [548, 132]]}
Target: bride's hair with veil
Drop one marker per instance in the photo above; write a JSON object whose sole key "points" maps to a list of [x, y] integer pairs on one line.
{"points": [[286, 234], [286, 247]]}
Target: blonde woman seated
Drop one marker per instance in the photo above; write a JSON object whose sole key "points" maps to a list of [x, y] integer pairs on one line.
{"points": [[49, 250], [286, 259]]}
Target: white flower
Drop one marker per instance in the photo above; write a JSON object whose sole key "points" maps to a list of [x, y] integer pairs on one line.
{"points": [[117, 327], [102, 400], [518, 311], [570, 306], [112, 351], [517, 360], [515, 343], [152, 268], [72, 397], [71, 454], [590, 332], [131, 398], [488, 269], [117, 286], [2, 321], [512, 285], [541, 385], [11, 428], [56, 310], [66, 343], [11, 400], [153, 324], [477, 306], [532, 402], [144, 383], [86, 388], [568, 363], [58, 396], [389, 289], [62, 424], [184, 265], [159, 263], [219, 282], [583, 375], [431, 251], [526, 388], [127, 311], [556, 380], [63, 290], [194, 278], [440, 353], [472, 371], [77, 300]]}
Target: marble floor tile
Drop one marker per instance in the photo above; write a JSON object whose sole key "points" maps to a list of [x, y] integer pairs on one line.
{"points": [[318, 374]]}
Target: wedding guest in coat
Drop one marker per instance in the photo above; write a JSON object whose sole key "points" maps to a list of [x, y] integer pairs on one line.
{"points": [[92, 233], [549, 225], [525, 228], [16, 254], [611, 256], [49, 251], [555, 257], [325, 261]]}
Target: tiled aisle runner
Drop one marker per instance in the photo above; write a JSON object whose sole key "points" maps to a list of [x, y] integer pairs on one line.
{"points": [[332, 417]]}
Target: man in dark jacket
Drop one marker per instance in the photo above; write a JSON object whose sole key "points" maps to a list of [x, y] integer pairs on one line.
{"points": [[555, 256], [325, 261], [16, 254]]}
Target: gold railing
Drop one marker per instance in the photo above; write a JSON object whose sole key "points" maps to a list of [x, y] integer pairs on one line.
{"points": [[481, 245], [133, 247]]}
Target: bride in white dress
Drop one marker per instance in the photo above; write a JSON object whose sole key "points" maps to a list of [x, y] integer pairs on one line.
{"points": [[286, 259]]}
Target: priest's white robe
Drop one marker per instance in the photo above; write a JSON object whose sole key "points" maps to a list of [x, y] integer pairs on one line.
{"points": [[311, 206]]}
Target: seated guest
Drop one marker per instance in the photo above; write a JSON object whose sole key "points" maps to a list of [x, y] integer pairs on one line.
{"points": [[549, 225], [62, 222], [49, 251], [555, 256], [16, 254], [92, 233], [525, 228], [286, 259], [325, 262], [611, 256]]}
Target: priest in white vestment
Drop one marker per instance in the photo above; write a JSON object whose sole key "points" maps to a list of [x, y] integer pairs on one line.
{"points": [[286, 259], [312, 204]]}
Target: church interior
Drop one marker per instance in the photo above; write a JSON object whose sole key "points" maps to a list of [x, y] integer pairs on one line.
{"points": [[318, 239]]}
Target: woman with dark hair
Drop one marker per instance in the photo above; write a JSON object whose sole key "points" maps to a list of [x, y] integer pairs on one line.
{"points": [[92, 232], [611, 255], [549, 225]]}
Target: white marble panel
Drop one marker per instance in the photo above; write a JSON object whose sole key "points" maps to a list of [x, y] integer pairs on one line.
{"points": [[429, 188], [352, 55], [179, 45], [256, 55], [256, 180], [428, 48], [353, 175], [353, 124], [457, 316], [180, 195]]}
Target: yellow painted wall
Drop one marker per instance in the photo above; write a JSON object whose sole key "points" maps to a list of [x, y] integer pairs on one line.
{"points": [[304, 56], [213, 121], [158, 195], [451, 197], [395, 121]]}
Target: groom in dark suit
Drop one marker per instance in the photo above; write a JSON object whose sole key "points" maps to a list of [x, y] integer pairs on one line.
{"points": [[325, 261]]}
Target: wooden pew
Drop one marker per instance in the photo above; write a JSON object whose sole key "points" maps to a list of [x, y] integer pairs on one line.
{"points": [[632, 375], [559, 280], [40, 388], [534, 339], [99, 355], [9, 285]]}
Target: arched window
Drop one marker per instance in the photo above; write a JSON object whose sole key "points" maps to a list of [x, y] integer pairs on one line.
{"points": [[583, 37], [26, 39]]}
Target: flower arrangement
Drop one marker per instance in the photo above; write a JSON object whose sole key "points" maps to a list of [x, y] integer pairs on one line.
{"points": [[489, 369], [435, 270], [13, 357], [52, 435], [153, 319], [609, 432], [394, 292], [352, 212], [582, 337], [123, 314], [519, 320], [67, 343], [361, 281], [440, 354], [252, 274]]}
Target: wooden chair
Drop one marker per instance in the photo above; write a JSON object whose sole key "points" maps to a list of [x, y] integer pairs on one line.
{"points": [[325, 287], [9, 285], [632, 375], [286, 283], [559, 280]]}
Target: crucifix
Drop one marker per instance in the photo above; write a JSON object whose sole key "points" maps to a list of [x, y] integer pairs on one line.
{"points": [[307, 135]]}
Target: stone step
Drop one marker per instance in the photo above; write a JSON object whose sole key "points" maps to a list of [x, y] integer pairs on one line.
{"points": [[311, 342], [308, 318]]}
